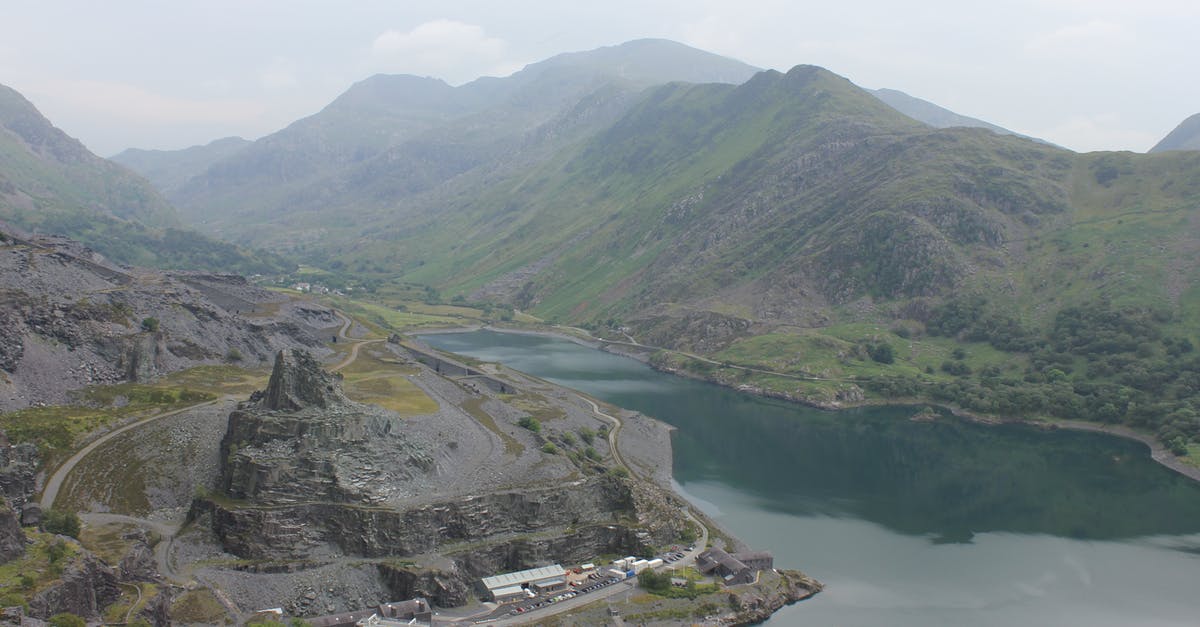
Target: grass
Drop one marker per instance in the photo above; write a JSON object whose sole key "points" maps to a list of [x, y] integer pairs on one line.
{"points": [[380, 381], [34, 571], [106, 541], [537, 407], [58, 429], [198, 606], [129, 604], [219, 379], [392, 319]]}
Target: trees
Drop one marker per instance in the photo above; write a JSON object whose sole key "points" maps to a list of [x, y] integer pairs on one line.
{"points": [[61, 522]]}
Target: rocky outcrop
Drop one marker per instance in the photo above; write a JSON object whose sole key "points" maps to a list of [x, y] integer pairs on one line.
{"points": [[87, 586], [12, 538], [301, 441], [298, 381], [18, 475], [756, 604], [138, 564], [69, 319], [293, 532]]}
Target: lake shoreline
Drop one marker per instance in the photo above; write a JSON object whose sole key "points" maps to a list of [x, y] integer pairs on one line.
{"points": [[1158, 452]]}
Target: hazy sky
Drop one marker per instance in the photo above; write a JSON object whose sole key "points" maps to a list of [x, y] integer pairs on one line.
{"points": [[1086, 74]]}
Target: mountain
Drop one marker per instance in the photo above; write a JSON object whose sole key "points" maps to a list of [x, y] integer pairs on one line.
{"points": [[51, 183], [931, 114], [390, 138], [935, 116], [1186, 136], [168, 169]]}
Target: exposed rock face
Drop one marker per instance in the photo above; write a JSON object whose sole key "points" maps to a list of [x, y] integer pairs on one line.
{"points": [[18, 476], [302, 440], [307, 529], [86, 588], [69, 319], [298, 381], [12, 538], [138, 563]]}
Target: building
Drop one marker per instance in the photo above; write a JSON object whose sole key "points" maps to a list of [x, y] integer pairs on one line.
{"points": [[508, 594], [730, 568], [520, 579], [553, 584], [756, 560]]}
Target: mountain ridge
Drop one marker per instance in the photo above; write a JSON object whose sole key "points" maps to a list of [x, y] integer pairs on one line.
{"points": [[1186, 136]]}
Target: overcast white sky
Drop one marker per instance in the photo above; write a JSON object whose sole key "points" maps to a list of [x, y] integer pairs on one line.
{"points": [[1086, 74]]}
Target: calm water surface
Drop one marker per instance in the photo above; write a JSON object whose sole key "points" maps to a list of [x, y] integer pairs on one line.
{"points": [[911, 523]]}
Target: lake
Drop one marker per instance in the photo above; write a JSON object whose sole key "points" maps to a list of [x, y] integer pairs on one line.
{"points": [[906, 522]]}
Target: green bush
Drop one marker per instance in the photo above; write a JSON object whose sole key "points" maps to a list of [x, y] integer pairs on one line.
{"points": [[61, 522], [531, 423], [549, 449], [150, 324]]}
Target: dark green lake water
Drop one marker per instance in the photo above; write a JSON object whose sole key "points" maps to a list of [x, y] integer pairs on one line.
{"points": [[911, 523]]}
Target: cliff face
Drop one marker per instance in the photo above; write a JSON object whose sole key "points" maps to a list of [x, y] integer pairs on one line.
{"points": [[86, 588], [12, 538], [306, 529]]}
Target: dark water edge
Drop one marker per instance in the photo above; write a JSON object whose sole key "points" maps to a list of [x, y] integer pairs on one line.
{"points": [[943, 522]]}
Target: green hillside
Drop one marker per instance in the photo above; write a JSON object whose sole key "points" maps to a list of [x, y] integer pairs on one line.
{"points": [[796, 225], [51, 183]]}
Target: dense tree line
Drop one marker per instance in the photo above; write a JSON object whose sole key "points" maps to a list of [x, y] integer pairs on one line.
{"points": [[1095, 362]]}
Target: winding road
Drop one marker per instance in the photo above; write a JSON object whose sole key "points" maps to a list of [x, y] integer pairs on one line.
{"points": [[54, 485]]}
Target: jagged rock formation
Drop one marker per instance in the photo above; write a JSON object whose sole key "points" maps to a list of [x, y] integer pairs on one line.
{"points": [[298, 381], [69, 319], [87, 586], [18, 475], [12, 538], [302, 440]]}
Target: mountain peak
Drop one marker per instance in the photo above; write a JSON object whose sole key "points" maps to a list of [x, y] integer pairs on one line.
{"points": [[652, 61], [299, 381], [1186, 136]]}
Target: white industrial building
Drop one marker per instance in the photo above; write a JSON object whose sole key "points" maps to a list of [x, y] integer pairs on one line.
{"points": [[512, 586]]}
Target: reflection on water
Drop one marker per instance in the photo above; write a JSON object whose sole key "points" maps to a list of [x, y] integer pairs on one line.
{"points": [[918, 523]]}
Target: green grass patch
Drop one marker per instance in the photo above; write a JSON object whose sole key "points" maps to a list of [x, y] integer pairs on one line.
{"points": [[45, 559], [57, 429], [198, 606]]}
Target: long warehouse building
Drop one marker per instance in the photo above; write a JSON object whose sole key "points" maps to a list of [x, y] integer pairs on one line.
{"points": [[511, 586]]}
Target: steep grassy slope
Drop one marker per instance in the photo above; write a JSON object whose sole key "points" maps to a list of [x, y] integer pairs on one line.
{"points": [[1186, 136], [50, 183]]}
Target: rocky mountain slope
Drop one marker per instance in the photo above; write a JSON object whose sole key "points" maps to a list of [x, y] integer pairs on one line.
{"points": [[167, 170], [69, 318], [50, 183], [1186, 136]]}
